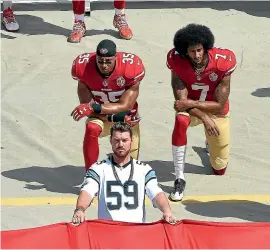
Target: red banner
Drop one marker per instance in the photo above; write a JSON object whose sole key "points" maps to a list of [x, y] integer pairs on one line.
{"points": [[101, 234]]}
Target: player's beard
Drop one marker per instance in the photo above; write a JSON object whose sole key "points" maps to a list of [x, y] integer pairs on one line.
{"points": [[201, 62], [197, 61], [121, 154]]}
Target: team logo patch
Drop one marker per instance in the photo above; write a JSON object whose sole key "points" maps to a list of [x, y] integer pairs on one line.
{"points": [[120, 81], [213, 77], [103, 51], [105, 83]]}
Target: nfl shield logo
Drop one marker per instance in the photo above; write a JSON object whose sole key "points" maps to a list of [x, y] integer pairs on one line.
{"points": [[120, 81], [213, 77]]}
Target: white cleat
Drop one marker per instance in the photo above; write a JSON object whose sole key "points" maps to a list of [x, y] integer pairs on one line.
{"points": [[9, 20]]}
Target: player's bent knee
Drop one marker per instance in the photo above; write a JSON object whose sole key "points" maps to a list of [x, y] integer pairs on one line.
{"points": [[93, 129], [219, 165], [179, 136]]}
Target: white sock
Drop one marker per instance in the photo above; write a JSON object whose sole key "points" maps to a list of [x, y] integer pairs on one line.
{"points": [[7, 4], [179, 155], [79, 17], [119, 12]]}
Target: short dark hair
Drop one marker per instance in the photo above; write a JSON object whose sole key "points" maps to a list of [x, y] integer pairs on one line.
{"points": [[191, 35], [121, 127]]}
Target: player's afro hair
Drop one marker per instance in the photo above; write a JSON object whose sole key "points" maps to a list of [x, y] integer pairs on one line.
{"points": [[191, 35]]}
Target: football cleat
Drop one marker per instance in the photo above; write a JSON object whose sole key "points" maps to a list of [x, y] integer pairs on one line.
{"points": [[178, 190], [120, 22], [78, 32], [9, 20]]}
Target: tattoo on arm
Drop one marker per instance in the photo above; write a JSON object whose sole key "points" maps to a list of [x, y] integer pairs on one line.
{"points": [[179, 87], [222, 92]]}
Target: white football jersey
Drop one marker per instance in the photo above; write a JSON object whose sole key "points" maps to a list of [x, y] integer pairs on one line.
{"points": [[124, 200]]}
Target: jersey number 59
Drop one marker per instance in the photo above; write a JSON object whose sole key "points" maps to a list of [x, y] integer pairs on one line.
{"points": [[130, 192]]}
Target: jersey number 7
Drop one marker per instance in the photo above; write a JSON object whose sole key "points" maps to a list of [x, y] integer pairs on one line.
{"points": [[130, 190], [204, 89]]}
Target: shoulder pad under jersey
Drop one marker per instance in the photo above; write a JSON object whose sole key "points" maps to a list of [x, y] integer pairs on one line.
{"points": [[134, 68], [170, 59], [225, 60], [79, 64]]}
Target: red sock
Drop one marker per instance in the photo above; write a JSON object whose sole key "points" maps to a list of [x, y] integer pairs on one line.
{"points": [[90, 144], [78, 7], [179, 135], [119, 4], [220, 171]]}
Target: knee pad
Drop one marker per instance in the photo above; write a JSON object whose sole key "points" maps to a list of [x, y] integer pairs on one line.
{"points": [[179, 136]]}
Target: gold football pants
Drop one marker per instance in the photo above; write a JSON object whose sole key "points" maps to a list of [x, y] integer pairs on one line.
{"points": [[219, 147]]}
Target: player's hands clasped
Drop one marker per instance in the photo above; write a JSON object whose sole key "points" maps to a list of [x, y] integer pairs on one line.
{"points": [[78, 217], [169, 217], [210, 126], [81, 111], [182, 105]]}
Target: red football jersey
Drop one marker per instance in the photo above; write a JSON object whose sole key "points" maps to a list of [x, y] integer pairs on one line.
{"points": [[222, 62], [129, 71]]}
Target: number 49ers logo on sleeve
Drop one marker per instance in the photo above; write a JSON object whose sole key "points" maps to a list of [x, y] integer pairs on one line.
{"points": [[120, 81]]}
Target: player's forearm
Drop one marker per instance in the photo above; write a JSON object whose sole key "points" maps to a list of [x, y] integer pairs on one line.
{"points": [[197, 113], [84, 200], [208, 106], [162, 202], [114, 108], [119, 117]]}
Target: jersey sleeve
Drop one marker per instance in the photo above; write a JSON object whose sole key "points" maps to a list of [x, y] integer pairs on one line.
{"points": [[74, 72], [151, 185], [92, 181], [170, 59], [135, 72], [79, 66], [226, 61]]}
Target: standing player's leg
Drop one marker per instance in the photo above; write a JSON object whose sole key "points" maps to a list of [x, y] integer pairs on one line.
{"points": [[179, 144], [120, 20], [135, 146], [87, 10], [79, 28], [219, 147], [8, 18]]}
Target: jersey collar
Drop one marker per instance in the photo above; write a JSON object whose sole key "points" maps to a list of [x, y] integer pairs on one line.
{"points": [[121, 167]]}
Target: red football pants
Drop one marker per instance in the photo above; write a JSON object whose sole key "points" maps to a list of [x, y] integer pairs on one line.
{"points": [[79, 6]]}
